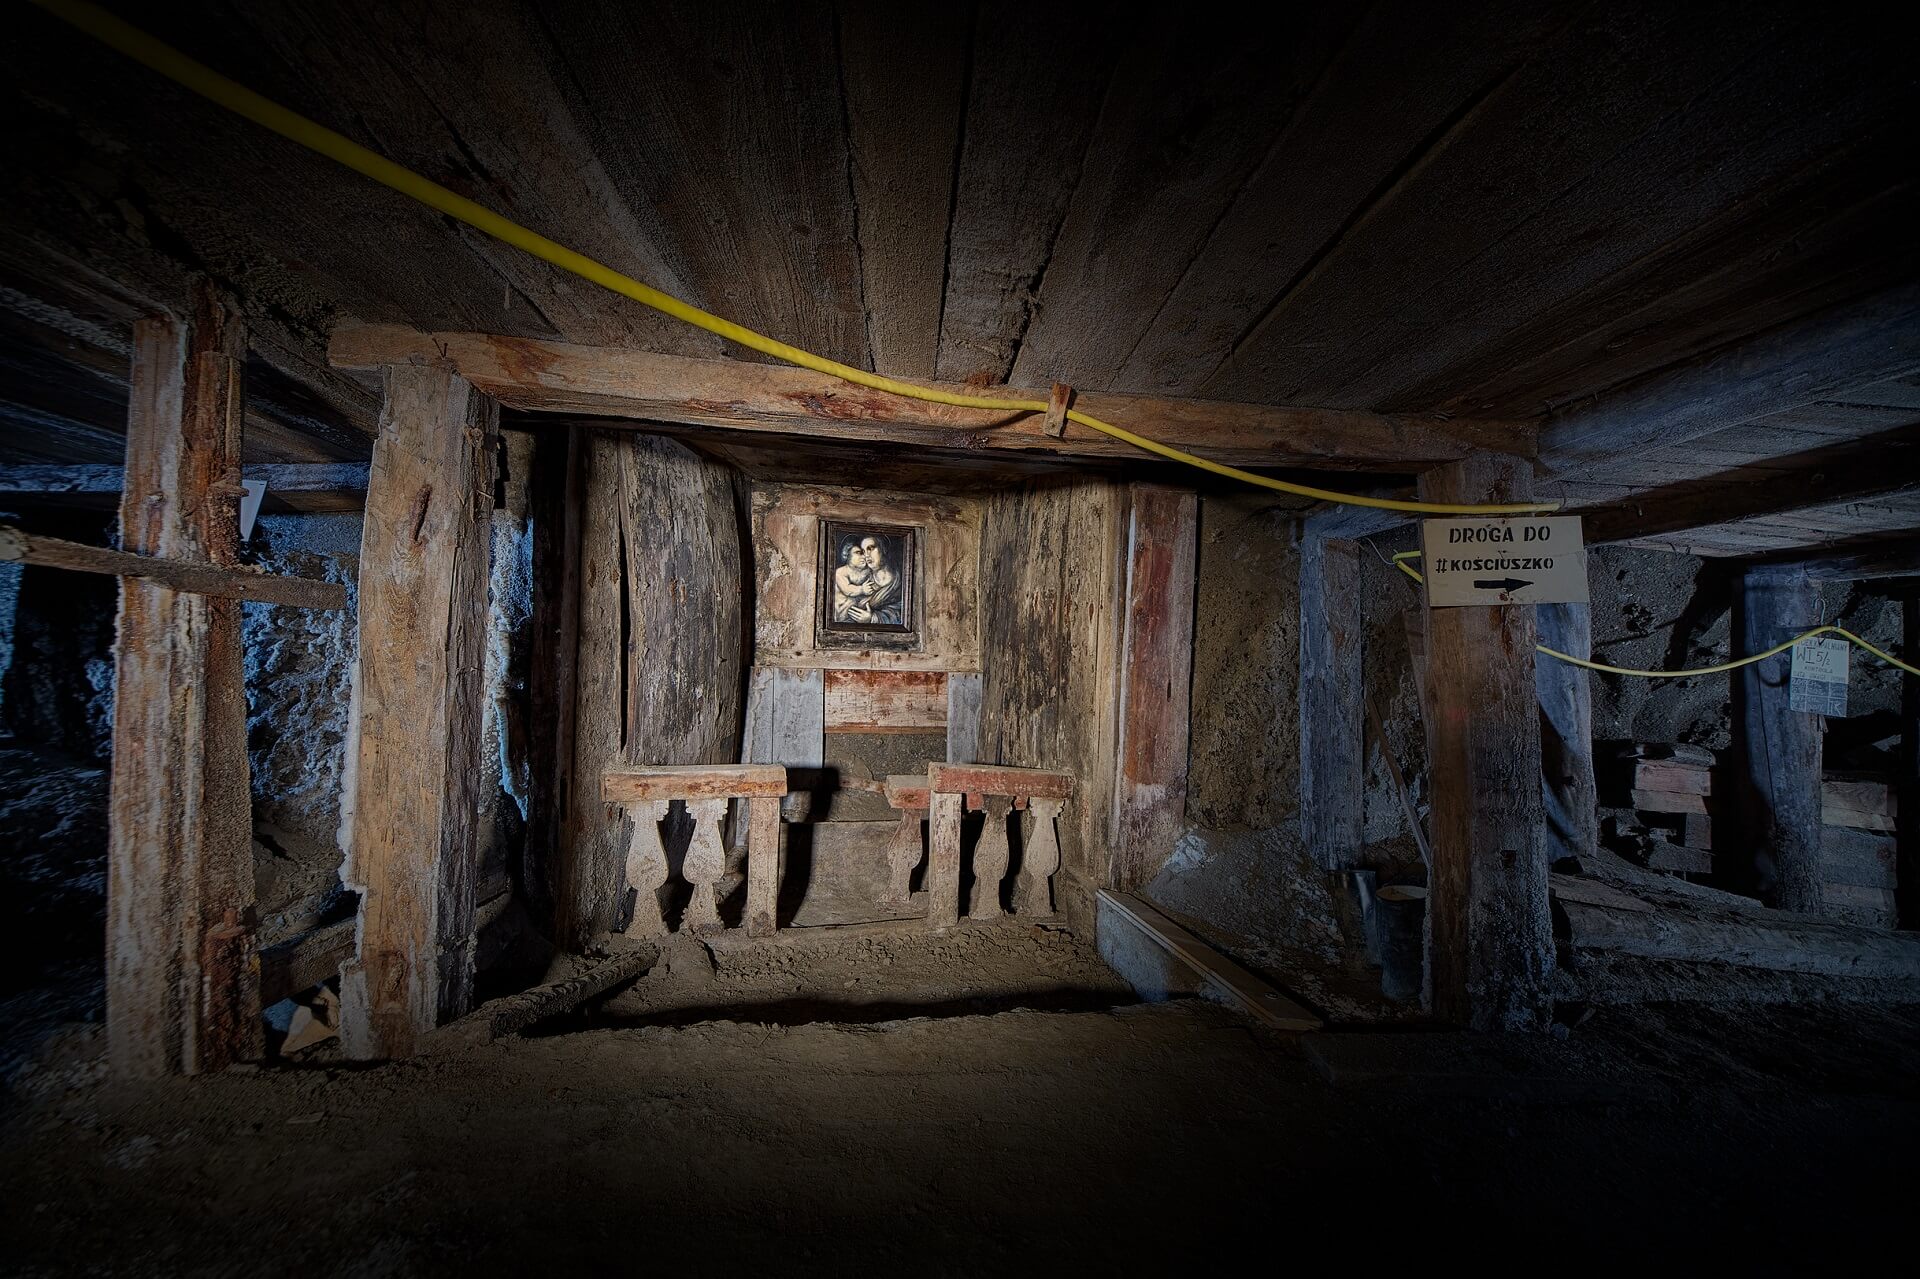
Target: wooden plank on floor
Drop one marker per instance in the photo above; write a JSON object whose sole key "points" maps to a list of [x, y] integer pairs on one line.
{"points": [[1259, 1000]]}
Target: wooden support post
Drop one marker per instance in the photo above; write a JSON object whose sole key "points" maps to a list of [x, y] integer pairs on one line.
{"points": [[763, 865], [943, 861], [1779, 747], [1039, 859], [182, 983], [647, 866], [1567, 784], [415, 728], [1156, 667], [990, 859], [705, 865], [1489, 936], [1908, 849], [1332, 701]]}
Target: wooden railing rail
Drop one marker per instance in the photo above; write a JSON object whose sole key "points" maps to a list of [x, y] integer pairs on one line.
{"points": [[706, 789]]}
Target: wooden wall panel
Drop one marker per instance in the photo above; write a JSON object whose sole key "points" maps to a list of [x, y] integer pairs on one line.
{"points": [[659, 676], [1156, 675], [786, 562], [1052, 578], [885, 701]]}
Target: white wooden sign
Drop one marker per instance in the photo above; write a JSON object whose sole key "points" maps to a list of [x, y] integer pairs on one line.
{"points": [[1524, 560], [1819, 679]]}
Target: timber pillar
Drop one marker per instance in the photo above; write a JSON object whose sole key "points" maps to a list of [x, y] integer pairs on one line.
{"points": [[1489, 936], [414, 741], [183, 986]]}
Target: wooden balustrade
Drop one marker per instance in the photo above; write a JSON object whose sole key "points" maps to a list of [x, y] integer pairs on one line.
{"points": [[648, 793], [996, 790], [909, 796]]}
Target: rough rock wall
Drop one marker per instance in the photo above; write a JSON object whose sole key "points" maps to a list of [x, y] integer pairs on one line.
{"points": [[58, 686]]}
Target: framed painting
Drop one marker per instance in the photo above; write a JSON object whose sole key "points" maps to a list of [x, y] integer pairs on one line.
{"points": [[867, 579]]}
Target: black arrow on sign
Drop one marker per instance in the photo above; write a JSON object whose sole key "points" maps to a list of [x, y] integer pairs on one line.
{"points": [[1508, 584]]}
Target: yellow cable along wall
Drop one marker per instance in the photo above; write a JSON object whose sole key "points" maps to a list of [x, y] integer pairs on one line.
{"points": [[210, 84]]}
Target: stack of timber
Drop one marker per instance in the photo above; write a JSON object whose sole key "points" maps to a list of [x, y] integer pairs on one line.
{"points": [[1669, 787], [1857, 849]]}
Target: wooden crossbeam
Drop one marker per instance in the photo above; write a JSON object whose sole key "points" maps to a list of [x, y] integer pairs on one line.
{"points": [[279, 477], [221, 581], [639, 386], [1834, 352], [1878, 467]]}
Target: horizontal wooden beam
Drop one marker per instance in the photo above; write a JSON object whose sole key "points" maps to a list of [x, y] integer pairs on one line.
{"points": [[733, 395], [998, 779], [1878, 467], [1890, 558], [633, 785], [196, 578], [280, 477], [1839, 350]]}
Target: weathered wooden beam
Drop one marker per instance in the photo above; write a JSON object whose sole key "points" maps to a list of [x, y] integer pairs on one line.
{"points": [[1779, 748], [1567, 785], [1332, 700], [414, 767], [1604, 919], [279, 477], [1881, 466], [1156, 669], [1218, 976], [1490, 941], [1836, 351], [632, 783], [183, 986], [1899, 558], [555, 377], [515, 1013], [997, 779], [235, 582]]}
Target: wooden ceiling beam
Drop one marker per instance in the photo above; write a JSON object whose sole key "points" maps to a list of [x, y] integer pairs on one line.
{"points": [[1879, 466], [1836, 351], [732, 395]]}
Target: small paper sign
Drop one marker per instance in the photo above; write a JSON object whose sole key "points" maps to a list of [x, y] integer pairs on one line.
{"points": [[1819, 680]]}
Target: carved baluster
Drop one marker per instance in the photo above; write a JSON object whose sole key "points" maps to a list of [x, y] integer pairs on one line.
{"points": [[763, 864], [943, 862], [1032, 888], [990, 860], [903, 854], [706, 864], [646, 867]]}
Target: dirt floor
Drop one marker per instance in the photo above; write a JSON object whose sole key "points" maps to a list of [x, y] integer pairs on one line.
{"points": [[1050, 1121]]}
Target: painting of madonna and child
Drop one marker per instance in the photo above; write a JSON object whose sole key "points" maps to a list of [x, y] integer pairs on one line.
{"points": [[866, 582]]}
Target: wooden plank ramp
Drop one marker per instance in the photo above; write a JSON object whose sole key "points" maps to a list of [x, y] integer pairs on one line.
{"points": [[1219, 977]]}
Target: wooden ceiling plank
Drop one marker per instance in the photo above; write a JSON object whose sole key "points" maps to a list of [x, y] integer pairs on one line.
{"points": [[1839, 236], [464, 93], [726, 122], [553, 377], [1602, 83], [1196, 106], [1405, 73], [1799, 364], [1804, 98], [1040, 75], [905, 85]]}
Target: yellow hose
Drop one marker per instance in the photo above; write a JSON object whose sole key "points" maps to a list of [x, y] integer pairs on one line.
{"points": [[1400, 562], [210, 84]]}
